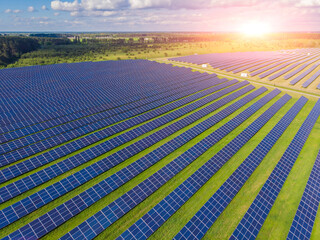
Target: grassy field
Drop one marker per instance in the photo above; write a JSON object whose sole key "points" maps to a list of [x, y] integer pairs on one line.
{"points": [[279, 220], [101, 52]]}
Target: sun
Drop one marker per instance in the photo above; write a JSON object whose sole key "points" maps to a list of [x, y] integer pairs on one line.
{"points": [[255, 29]]}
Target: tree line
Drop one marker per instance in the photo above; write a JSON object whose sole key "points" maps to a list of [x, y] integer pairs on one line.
{"points": [[11, 48]]}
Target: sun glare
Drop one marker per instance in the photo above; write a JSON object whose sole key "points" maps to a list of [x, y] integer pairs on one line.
{"points": [[255, 29]]}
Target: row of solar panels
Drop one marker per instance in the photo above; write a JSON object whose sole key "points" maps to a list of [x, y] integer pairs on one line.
{"points": [[197, 227], [85, 91], [214, 119], [108, 145], [174, 115], [97, 112], [265, 65], [32, 144], [105, 217], [16, 188]]}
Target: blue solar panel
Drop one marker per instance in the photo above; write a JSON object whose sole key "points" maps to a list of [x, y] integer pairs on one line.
{"points": [[289, 75], [283, 71], [76, 160], [311, 79], [120, 206], [304, 219], [278, 65], [31, 96], [158, 179], [90, 139], [98, 168], [53, 138], [170, 204], [302, 75], [207, 215], [190, 85], [254, 218]]}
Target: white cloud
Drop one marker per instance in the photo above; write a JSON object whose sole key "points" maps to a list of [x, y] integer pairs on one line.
{"points": [[65, 6], [31, 9], [44, 7], [12, 11], [91, 13], [102, 5], [301, 3], [39, 18], [56, 14], [308, 3], [150, 3]]}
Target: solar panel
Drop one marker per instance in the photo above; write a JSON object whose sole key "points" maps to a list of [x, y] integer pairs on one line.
{"points": [[106, 146], [70, 135], [98, 168], [170, 204], [302, 75], [162, 176], [28, 99], [254, 218], [278, 65], [304, 219], [311, 79], [111, 213], [71, 130], [289, 75], [190, 83], [207, 215]]}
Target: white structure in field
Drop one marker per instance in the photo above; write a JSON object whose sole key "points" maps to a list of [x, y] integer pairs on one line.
{"points": [[204, 65], [244, 74]]}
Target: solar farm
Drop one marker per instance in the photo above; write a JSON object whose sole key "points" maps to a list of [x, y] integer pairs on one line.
{"points": [[298, 68], [138, 149]]}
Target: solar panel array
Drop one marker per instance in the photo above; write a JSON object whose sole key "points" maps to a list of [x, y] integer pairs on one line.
{"points": [[155, 180], [123, 204], [311, 79], [302, 75], [87, 174], [40, 160], [254, 218], [95, 117], [304, 219], [201, 222], [71, 134], [150, 222], [264, 65]]}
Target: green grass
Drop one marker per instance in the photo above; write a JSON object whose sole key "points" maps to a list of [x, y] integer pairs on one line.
{"points": [[278, 221]]}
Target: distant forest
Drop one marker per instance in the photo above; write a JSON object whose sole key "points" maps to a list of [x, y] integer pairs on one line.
{"points": [[11, 48], [51, 48]]}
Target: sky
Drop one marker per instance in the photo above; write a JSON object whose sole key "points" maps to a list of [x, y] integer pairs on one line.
{"points": [[157, 15]]}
